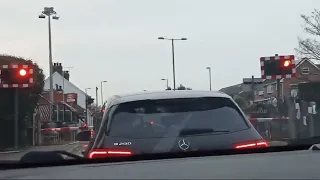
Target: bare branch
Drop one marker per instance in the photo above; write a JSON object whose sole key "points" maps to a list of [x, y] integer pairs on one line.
{"points": [[312, 23], [310, 48]]}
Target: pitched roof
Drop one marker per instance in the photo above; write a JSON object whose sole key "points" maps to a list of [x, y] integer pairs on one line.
{"points": [[235, 89], [308, 60], [65, 81]]}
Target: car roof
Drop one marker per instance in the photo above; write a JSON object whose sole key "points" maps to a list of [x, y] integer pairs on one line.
{"points": [[165, 95]]}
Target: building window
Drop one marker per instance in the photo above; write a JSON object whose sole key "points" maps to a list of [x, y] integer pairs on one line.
{"points": [[261, 93], [269, 89], [305, 70]]}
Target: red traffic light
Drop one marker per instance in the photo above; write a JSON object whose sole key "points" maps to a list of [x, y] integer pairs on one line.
{"points": [[22, 72], [286, 63], [16, 75]]}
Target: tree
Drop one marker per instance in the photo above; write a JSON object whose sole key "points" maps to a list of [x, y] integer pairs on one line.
{"points": [[242, 103], [28, 99], [181, 87], [310, 47]]}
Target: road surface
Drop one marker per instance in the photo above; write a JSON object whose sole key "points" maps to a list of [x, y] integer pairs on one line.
{"points": [[278, 143], [74, 148], [15, 156]]}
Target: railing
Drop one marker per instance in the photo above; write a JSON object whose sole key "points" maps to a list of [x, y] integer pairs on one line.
{"points": [[59, 136], [272, 129]]}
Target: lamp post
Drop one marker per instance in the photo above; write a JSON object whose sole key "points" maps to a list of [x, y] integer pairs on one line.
{"points": [[167, 82], [50, 13], [101, 87], [173, 60], [209, 69]]}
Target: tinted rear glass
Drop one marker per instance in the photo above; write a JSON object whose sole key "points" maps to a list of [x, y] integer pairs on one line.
{"points": [[166, 118]]}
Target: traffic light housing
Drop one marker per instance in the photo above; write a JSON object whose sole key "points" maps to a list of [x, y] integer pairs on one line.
{"points": [[89, 100], [277, 67], [16, 76], [280, 67]]}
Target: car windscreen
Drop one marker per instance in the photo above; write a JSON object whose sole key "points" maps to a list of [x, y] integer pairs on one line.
{"points": [[167, 117]]}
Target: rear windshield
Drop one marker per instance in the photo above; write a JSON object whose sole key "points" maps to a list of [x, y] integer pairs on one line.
{"points": [[167, 117]]}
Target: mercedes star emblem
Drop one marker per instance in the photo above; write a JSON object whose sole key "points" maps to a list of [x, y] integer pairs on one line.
{"points": [[184, 144]]}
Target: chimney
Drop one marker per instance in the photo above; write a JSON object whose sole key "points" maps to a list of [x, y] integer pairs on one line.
{"points": [[66, 75], [57, 67]]}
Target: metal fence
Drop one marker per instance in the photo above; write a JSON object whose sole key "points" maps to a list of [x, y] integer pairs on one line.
{"points": [[272, 129], [57, 136]]}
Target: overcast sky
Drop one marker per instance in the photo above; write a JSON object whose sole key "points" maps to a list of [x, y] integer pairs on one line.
{"points": [[116, 40]]}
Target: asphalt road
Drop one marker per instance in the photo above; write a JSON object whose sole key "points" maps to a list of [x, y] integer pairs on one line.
{"points": [[15, 156], [278, 165], [75, 148]]}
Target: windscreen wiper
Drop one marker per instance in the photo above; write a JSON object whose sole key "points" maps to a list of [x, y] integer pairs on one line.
{"points": [[197, 131]]}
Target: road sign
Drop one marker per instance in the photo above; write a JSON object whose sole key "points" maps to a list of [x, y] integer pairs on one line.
{"points": [[248, 82], [278, 67], [16, 76]]}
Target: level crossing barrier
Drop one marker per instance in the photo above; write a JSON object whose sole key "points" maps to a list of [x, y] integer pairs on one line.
{"points": [[64, 135]]}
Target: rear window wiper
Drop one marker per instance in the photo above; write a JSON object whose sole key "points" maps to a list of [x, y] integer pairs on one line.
{"points": [[191, 131]]}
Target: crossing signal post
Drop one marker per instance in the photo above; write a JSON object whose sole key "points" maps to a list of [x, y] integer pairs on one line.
{"points": [[278, 67], [16, 76]]}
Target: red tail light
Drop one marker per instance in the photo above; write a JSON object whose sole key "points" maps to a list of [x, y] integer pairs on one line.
{"points": [[103, 153], [252, 144]]}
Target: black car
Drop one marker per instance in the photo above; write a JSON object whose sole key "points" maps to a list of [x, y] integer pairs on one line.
{"points": [[172, 121]]}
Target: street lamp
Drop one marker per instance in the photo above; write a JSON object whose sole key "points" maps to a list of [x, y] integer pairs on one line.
{"points": [[49, 12], [209, 69], [102, 91], [167, 82], [173, 62], [86, 90]]}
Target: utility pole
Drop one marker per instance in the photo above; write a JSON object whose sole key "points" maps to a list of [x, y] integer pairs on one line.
{"points": [[252, 88], [16, 118], [278, 93], [97, 97], [87, 97], [173, 65]]}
